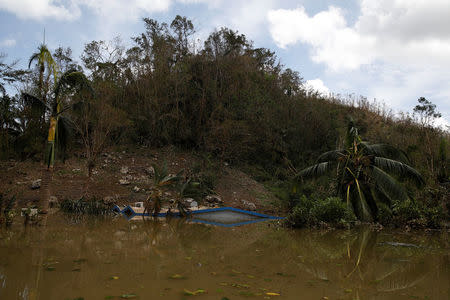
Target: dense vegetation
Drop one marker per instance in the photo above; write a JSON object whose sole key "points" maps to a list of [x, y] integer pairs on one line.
{"points": [[225, 97]]}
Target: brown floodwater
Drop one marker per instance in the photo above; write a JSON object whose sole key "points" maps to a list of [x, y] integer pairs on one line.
{"points": [[110, 258]]}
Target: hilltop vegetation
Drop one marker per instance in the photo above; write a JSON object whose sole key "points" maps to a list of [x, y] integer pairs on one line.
{"points": [[226, 98]]}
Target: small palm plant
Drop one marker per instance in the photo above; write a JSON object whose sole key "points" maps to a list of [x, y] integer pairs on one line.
{"points": [[366, 174], [162, 181]]}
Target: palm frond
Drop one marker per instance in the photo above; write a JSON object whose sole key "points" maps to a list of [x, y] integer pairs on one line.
{"points": [[33, 58], [315, 171], [385, 150], [366, 215], [332, 155], [72, 80], [390, 187], [400, 169], [35, 102]]}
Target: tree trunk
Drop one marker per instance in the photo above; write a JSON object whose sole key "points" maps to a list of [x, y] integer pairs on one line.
{"points": [[47, 178]]}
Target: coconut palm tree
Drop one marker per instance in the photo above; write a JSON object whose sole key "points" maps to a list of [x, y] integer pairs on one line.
{"points": [[367, 174]]}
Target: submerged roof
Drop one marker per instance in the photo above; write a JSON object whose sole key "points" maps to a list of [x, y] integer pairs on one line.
{"points": [[221, 216]]}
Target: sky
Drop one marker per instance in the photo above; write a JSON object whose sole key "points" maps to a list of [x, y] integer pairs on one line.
{"points": [[394, 51]]}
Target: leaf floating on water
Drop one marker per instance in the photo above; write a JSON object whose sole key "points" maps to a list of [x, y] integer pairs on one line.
{"points": [[237, 285], [267, 279], [109, 297], [223, 283], [348, 290], [128, 296], [177, 276], [272, 294], [80, 260], [114, 277], [188, 257], [237, 272], [194, 293], [50, 269], [250, 276], [213, 273]]}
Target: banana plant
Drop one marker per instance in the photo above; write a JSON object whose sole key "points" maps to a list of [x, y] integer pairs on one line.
{"points": [[367, 174]]}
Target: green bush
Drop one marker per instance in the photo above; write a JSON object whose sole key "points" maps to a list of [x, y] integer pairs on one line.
{"points": [[92, 206], [405, 211], [300, 215], [433, 216], [384, 214], [310, 212], [417, 215], [332, 210]]}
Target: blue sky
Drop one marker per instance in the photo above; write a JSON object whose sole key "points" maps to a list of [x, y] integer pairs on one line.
{"points": [[394, 51]]}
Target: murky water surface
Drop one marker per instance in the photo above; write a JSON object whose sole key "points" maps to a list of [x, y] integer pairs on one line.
{"points": [[114, 258]]}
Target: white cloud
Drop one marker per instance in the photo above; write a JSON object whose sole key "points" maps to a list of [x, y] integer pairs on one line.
{"points": [[413, 32], [8, 43], [396, 50], [70, 10], [318, 86], [41, 9]]}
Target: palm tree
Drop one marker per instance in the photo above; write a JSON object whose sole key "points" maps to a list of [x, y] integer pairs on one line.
{"points": [[44, 60], [70, 83], [162, 180], [363, 172]]}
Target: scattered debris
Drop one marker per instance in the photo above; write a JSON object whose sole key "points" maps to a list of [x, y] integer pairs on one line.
{"points": [[124, 170]]}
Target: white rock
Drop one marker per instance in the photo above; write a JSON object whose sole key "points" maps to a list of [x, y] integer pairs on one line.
{"points": [[124, 182], [31, 212], [36, 184], [124, 170], [248, 205], [213, 199], [53, 201], [194, 204], [136, 189]]}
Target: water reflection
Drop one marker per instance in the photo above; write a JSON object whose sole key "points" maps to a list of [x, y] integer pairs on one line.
{"points": [[82, 257]]}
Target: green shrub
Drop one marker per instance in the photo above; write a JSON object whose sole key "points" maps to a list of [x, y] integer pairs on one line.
{"points": [[332, 210], [433, 216], [417, 215], [300, 215], [405, 211], [92, 206], [310, 212], [384, 214]]}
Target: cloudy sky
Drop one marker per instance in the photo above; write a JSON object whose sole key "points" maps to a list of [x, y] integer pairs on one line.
{"points": [[394, 51]]}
